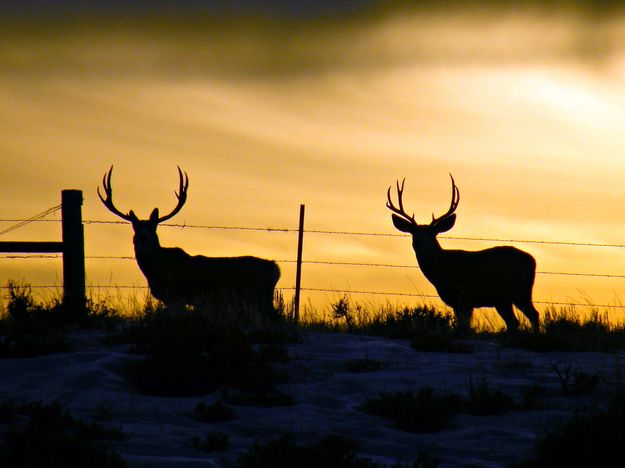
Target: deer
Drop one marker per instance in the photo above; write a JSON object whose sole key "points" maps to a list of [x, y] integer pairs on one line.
{"points": [[176, 278], [499, 277]]}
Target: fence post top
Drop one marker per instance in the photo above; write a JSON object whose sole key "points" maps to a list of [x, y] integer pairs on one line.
{"points": [[71, 194]]}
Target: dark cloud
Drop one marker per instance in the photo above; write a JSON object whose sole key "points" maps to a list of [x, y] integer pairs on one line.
{"points": [[295, 8], [241, 38], [302, 9]]}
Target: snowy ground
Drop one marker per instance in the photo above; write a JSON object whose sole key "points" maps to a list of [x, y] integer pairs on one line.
{"points": [[87, 381]]}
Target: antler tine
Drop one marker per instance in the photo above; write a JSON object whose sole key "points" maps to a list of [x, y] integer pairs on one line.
{"points": [[182, 190], [455, 199], [400, 193], [108, 190], [181, 195], [455, 196], [104, 184]]}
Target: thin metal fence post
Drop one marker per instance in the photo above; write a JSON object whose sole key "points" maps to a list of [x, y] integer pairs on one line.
{"points": [[298, 274], [74, 296]]}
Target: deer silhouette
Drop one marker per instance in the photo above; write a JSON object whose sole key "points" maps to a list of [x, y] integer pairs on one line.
{"points": [[175, 277], [498, 277]]}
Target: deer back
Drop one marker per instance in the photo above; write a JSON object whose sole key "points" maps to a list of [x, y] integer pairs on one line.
{"points": [[480, 278]]}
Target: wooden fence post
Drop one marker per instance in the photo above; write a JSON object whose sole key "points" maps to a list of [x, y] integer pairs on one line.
{"points": [[298, 274], [74, 296]]}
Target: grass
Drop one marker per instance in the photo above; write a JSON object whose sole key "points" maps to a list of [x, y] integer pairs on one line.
{"points": [[44, 434], [284, 452], [192, 354], [563, 331], [189, 353], [427, 328], [28, 328], [594, 439], [429, 410], [432, 330], [426, 410]]}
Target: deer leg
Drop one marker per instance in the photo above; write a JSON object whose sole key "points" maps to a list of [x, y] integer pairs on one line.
{"points": [[507, 314], [531, 313], [269, 308], [463, 319]]}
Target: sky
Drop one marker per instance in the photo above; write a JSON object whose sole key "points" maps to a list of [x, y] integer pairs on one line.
{"points": [[301, 103]]}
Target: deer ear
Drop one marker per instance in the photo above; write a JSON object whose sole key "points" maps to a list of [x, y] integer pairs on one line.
{"points": [[445, 225], [154, 216], [402, 224], [133, 217]]}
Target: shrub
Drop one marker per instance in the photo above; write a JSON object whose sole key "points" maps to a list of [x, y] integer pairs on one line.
{"points": [[216, 412], [364, 365], [574, 381], [483, 400], [439, 342], [52, 437], [30, 329], [190, 354], [272, 353], [533, 396], [564, 333], [410, 323], [425, 327], [331, 451], [213, 441], [595, 439], [343, 310], [427, 410]]}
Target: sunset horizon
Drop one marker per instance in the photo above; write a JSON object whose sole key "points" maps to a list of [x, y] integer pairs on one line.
{"points": [[265, 111]]}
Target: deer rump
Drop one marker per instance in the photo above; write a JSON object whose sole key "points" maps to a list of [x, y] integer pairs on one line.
{"points": [[485, 278], [175, 276]]}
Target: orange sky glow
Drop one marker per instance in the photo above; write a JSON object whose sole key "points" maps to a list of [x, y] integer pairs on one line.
{"points": [[526, 110]]}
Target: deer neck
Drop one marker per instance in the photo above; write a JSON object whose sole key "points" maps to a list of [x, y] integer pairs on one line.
{"points": [[148, 255], [430, 259]]}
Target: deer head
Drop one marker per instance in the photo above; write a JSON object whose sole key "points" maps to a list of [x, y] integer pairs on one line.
{"points": [[145, 238], [423, 235]]}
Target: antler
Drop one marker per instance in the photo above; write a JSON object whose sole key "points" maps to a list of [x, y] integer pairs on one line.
{"points": [[400, 211], [108, 202], [181, 195], [455, 199]]}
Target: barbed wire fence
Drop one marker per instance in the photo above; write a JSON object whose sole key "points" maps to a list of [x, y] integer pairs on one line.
{"points": [[39, 218]]}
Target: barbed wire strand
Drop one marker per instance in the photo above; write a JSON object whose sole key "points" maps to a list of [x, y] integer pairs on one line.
{"points": [[350, 233], [314, 262], [383, 234], [434, 296], [37, 217], [345, 291]]}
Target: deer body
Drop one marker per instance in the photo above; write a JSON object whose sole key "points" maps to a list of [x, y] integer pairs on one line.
{"points": [[486, 278], [199, 280], [175, 277], [498, 277]]}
